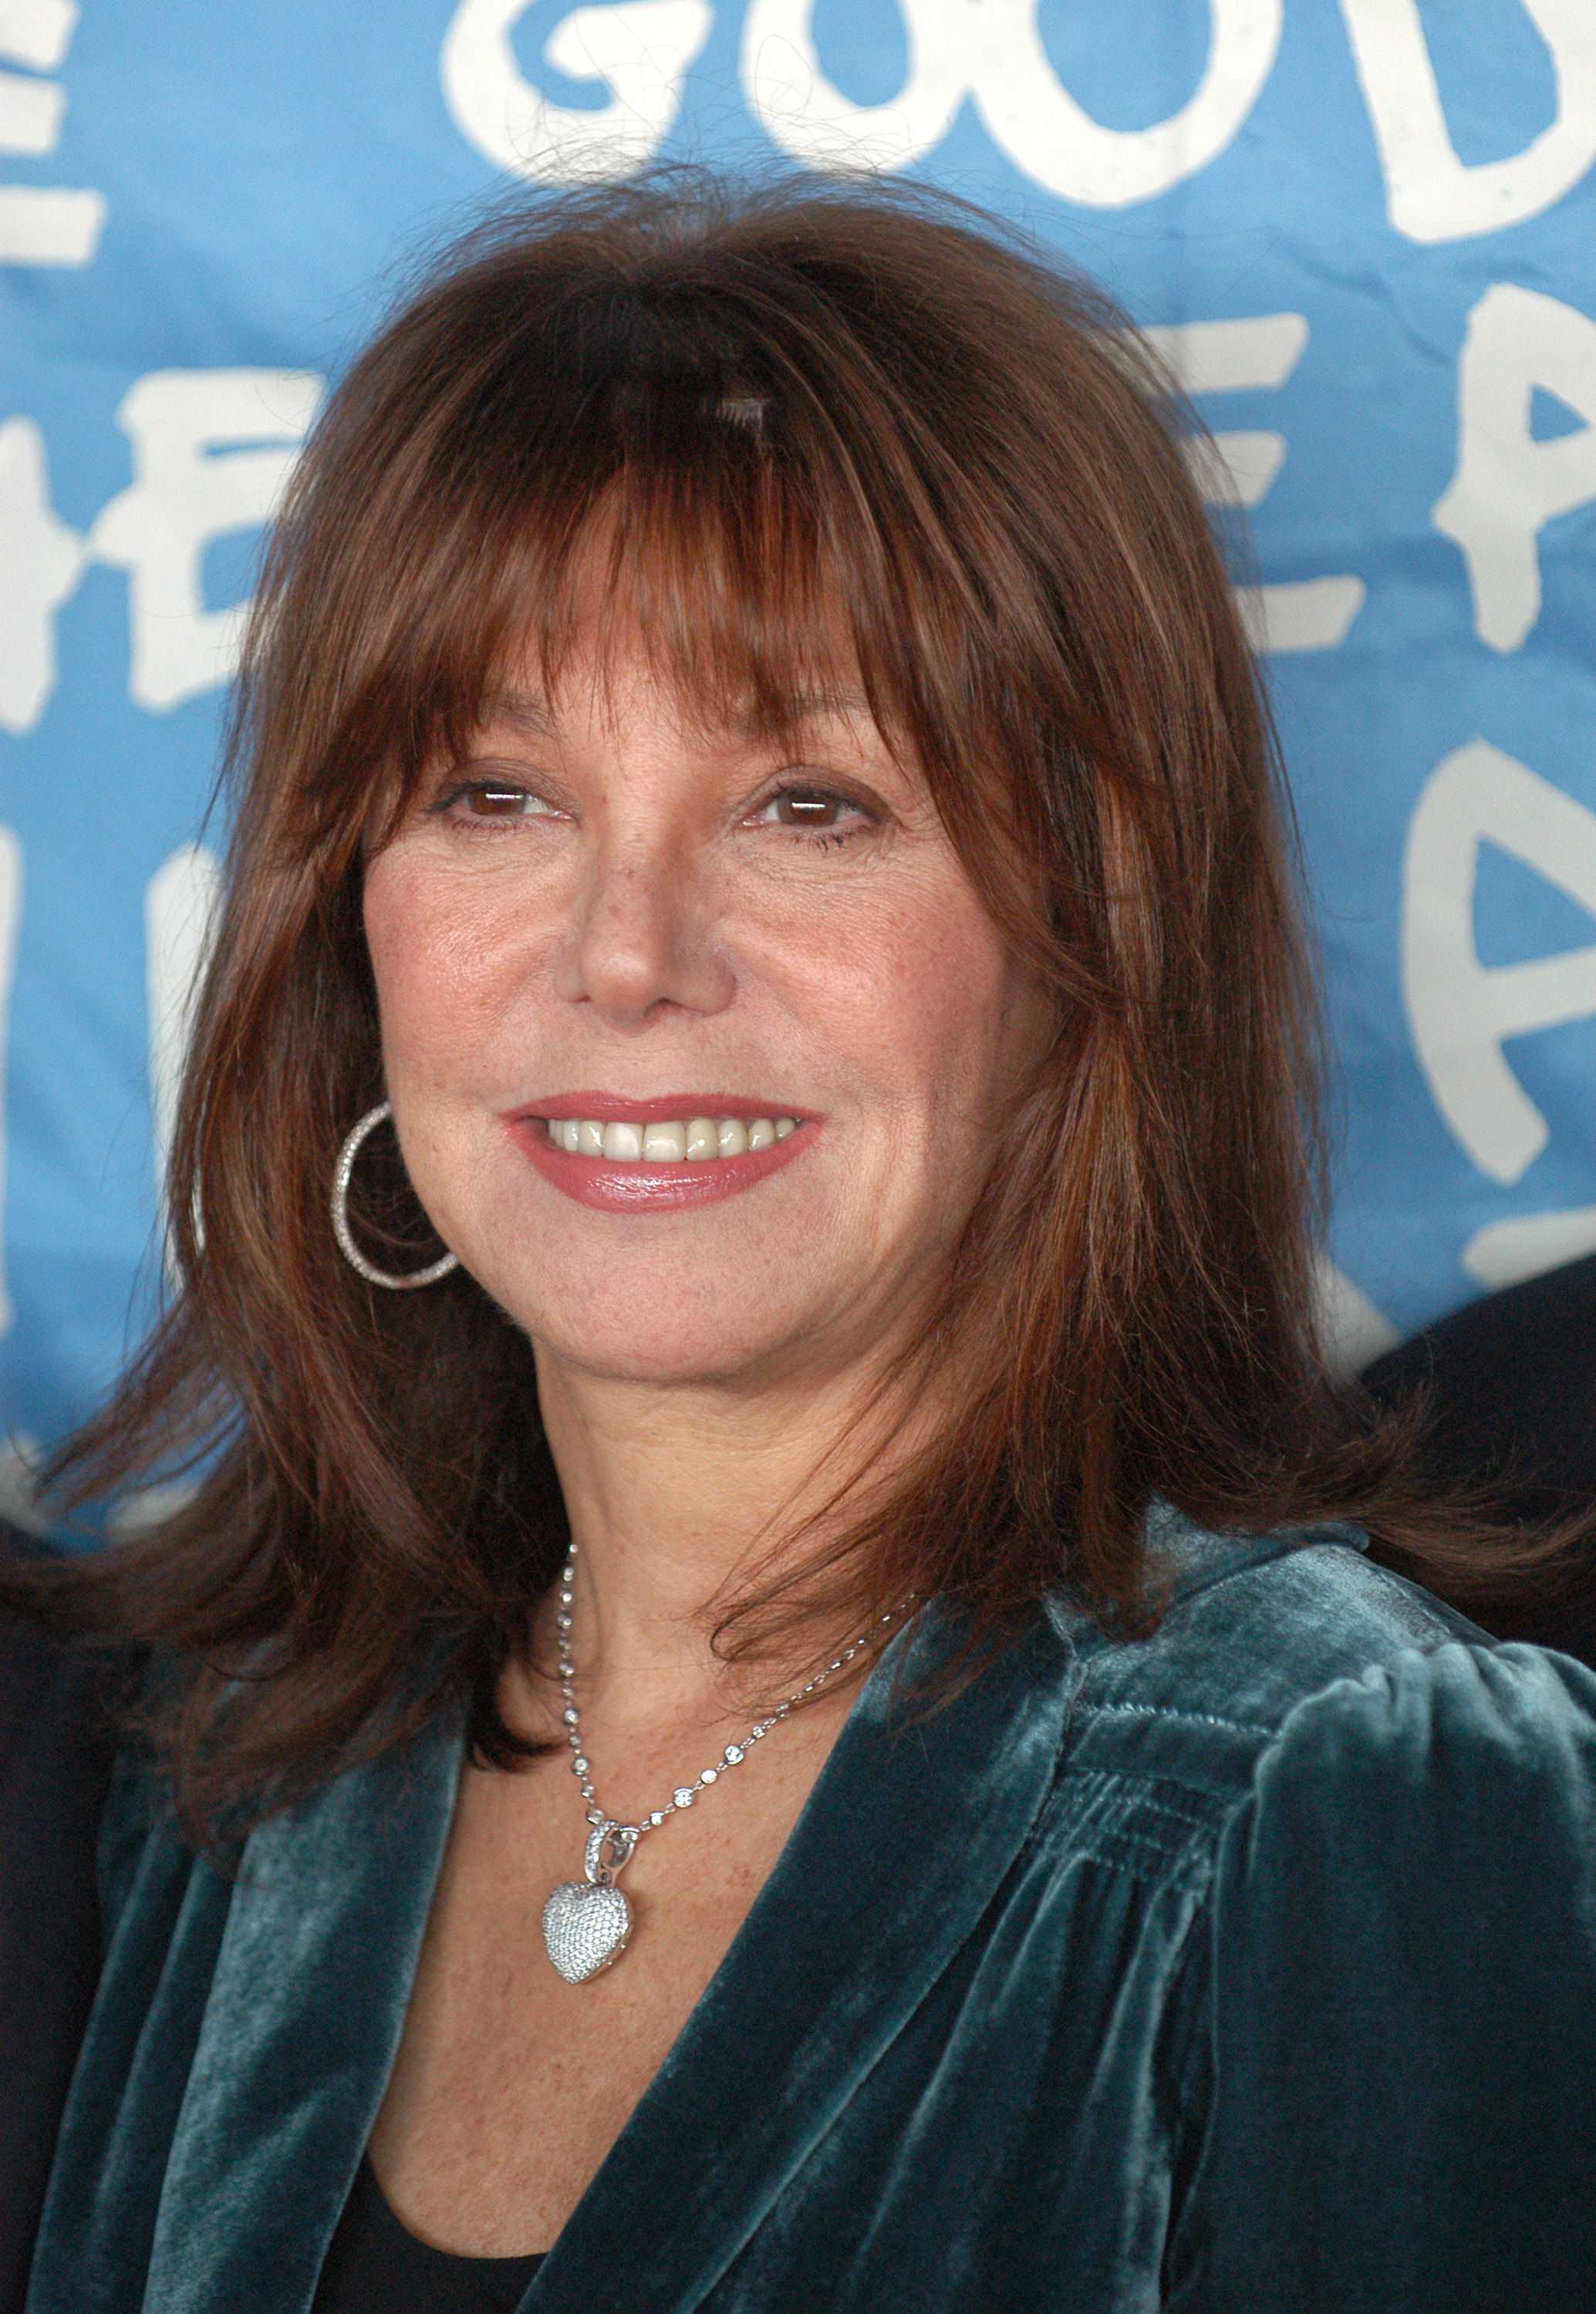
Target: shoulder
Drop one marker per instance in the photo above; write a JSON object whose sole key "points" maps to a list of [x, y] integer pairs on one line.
{"points": [[1291, 1668], [1251, 1628], [1384, 1827]]}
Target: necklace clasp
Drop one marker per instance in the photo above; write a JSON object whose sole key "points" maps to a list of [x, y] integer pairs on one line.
{"points": [[603, 1869]]}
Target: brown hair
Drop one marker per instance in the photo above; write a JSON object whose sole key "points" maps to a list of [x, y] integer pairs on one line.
{"points": [[780, 406]]}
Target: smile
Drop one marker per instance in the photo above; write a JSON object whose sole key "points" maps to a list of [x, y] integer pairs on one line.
{"points": [[639, 1157]]}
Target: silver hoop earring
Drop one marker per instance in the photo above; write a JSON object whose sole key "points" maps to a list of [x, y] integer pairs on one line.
{"points": [[340, 1214]]}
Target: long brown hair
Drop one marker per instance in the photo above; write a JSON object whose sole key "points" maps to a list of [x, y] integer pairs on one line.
{"points": [[782, 408]]}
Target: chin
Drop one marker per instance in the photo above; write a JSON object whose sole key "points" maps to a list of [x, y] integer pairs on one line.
{"points": [[706, 1356], [673, 1323]]}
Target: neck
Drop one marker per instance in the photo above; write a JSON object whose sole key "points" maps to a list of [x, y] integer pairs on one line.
{"points": [[679, 1497]]}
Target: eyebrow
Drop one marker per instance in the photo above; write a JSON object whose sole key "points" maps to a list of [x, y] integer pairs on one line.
{"points": [[808, 704], [523, 709]]}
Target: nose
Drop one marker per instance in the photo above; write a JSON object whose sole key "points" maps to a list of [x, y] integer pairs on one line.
{"points": [[643, 935]]}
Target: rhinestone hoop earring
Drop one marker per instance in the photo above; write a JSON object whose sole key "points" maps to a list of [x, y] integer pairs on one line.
{"points": [[340, 1214]]}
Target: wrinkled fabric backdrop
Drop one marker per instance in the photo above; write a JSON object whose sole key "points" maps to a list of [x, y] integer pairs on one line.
{"points": [[1363, 232]]}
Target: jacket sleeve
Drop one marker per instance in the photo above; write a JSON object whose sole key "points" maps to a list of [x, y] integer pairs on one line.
{"points": [[1400, 2068]]}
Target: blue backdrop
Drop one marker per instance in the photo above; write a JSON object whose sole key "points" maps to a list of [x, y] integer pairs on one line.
{"points": [[1365, 231]]}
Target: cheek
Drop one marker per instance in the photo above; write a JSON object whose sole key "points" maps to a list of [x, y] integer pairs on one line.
{"points": [[445, 957], [929, 987]]}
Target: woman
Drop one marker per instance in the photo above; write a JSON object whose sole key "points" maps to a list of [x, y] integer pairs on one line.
{"points": [[766, 1693]]}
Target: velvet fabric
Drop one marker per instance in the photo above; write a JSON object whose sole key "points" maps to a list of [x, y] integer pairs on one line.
{"points": [[1248, 1966]]}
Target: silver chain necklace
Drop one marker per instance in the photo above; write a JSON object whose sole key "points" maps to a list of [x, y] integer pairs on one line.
{"points": [[588, 1923]]}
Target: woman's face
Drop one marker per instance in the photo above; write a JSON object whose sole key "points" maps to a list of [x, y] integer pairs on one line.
{"points": [[615, 925]]}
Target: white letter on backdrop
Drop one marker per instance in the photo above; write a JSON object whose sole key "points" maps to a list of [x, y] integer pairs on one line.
{"points": [[38, 224], [1228, 358], [642, 50], [39, 561], [195, 481], [11, 912], [990, 50], [1527, 1245], [1507, 484], [1461, 1010], [814, 121], [180, 910], [37, 32], [1430, 194], [1046, 133]]}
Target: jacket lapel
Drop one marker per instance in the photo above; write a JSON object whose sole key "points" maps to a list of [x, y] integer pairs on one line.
{"points": [[908, 1832], [303, 2021]]}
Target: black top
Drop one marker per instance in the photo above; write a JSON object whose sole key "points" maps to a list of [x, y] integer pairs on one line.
{"points": [[1512, 1383], [374, 2265]]}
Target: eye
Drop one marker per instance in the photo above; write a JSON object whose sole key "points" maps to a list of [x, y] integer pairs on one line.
{"points": [[820, 810], [475, 800]]}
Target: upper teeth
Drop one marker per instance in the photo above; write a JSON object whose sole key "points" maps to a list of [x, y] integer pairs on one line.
{"points": [[697, 1137]]}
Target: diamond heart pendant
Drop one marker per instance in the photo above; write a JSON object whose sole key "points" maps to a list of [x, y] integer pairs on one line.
{"points": [[586, 1925], [586, 1922]]}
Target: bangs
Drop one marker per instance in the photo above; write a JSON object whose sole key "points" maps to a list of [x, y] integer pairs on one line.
{"points": [[721, 568], [737, 488], [730, 537]]}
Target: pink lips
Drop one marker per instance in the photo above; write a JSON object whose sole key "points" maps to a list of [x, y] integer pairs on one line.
{"points": [[616, 1187]]}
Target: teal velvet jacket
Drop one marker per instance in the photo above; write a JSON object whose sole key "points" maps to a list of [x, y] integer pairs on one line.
{"points": [[1248, 1966]]}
